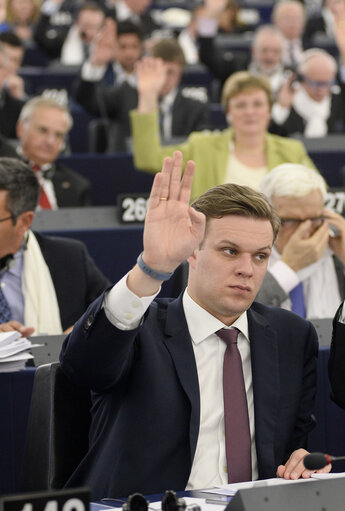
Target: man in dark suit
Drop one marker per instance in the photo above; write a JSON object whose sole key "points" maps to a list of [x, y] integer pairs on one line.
{"points": [[180, 112], [306, 268], [68, 43], [311, 102], [46, 282], [10, 106], [336, 361], [156, 367], [42, 130]]}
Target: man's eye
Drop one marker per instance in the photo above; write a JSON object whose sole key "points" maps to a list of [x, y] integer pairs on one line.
{"points": [[230, 251]]}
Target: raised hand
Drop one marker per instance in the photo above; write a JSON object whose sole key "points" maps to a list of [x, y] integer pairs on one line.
{"points": [[336, 241], [151, 76], [304, 247], [173, 229], [287, 92], [104, 46]]}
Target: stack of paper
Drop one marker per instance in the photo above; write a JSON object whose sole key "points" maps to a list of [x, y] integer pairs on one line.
{"points": [[14, 351]]}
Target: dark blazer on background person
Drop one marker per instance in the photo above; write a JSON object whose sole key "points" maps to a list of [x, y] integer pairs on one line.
{"points": [[50, 38], [146, 403], [271, 293], [76, 278], [71, 189], [336, 363], [115, 103], [10, 109], [296, 124]]}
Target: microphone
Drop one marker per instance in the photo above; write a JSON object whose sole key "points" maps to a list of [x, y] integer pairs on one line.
{"points": [[317, 460]]}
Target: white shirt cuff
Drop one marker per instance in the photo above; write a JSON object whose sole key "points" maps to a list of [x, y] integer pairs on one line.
{"points": [[207, 27], [92, 73], [280, 113], [285, 276], [123, 308], [49, 8]]}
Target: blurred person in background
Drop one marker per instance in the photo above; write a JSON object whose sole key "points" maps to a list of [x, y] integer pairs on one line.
{"points": [[22, 16], [14, 49], [42, 130], [289, 17], [180, 111], [310, 102], [242, 154], [70, 44]]}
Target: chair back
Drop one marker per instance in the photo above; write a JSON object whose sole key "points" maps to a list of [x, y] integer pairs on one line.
{"points": [[58, 430]]}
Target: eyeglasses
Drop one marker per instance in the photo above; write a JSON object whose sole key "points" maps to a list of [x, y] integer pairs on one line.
{"points": [[11, 217], [293, 223], [314, 84]]}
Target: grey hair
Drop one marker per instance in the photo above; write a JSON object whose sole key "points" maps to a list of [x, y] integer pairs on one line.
{"points": [[267, 29], [292, 180], [311, 53], [43, 101]]}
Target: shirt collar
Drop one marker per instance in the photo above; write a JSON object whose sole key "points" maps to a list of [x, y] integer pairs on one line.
{"points": [[167, 101], [202, 324]]}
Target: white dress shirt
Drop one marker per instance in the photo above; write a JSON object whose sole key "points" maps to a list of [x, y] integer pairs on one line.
{"points": [[125, 310]]}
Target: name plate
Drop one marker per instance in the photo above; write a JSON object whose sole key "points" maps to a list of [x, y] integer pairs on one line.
{"points": [[74, 499], [132, 208]]}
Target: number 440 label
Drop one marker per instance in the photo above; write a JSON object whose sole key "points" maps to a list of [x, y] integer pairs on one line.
{"points": [[76, 499]]}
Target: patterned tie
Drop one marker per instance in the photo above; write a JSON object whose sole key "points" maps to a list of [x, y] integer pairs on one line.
{"points": [[5, 311], [43, 202], [297, 300], [236, 420]]}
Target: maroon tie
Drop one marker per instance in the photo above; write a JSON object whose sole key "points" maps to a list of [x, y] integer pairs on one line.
{"points": [[43, 202], [236, 420]]}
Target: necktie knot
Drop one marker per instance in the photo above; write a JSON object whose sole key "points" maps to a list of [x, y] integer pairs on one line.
{"points": [[36, 168], [228, 335]]}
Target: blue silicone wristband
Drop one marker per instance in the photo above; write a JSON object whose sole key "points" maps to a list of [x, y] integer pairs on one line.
{"points": [[150, 272]]}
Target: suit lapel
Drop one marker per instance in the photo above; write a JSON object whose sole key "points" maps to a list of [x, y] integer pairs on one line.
{"points": [[179, 345], [266, 388]]}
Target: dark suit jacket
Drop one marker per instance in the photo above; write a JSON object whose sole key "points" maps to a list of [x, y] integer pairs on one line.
{"points": [[336, 363], [50, 39], [146, 404], [71, 189], [296, 124], [76, 278], [115, 103], [9, 112], [271, 293]]}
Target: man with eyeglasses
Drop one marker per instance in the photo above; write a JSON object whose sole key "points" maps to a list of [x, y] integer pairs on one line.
{"points": [[46, 282], [310, 102], [306, 267]]}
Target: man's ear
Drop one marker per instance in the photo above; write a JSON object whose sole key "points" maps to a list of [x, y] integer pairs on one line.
{"points": [[24, 222], [192, 258]]}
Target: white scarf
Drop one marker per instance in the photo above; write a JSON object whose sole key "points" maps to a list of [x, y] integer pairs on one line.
{"points": [[41, 308], [320, 286], [315, 113], [72, 52]]}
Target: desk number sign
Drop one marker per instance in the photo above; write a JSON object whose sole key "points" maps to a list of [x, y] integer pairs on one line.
{"points": [[132, 208], [75, 499]]}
